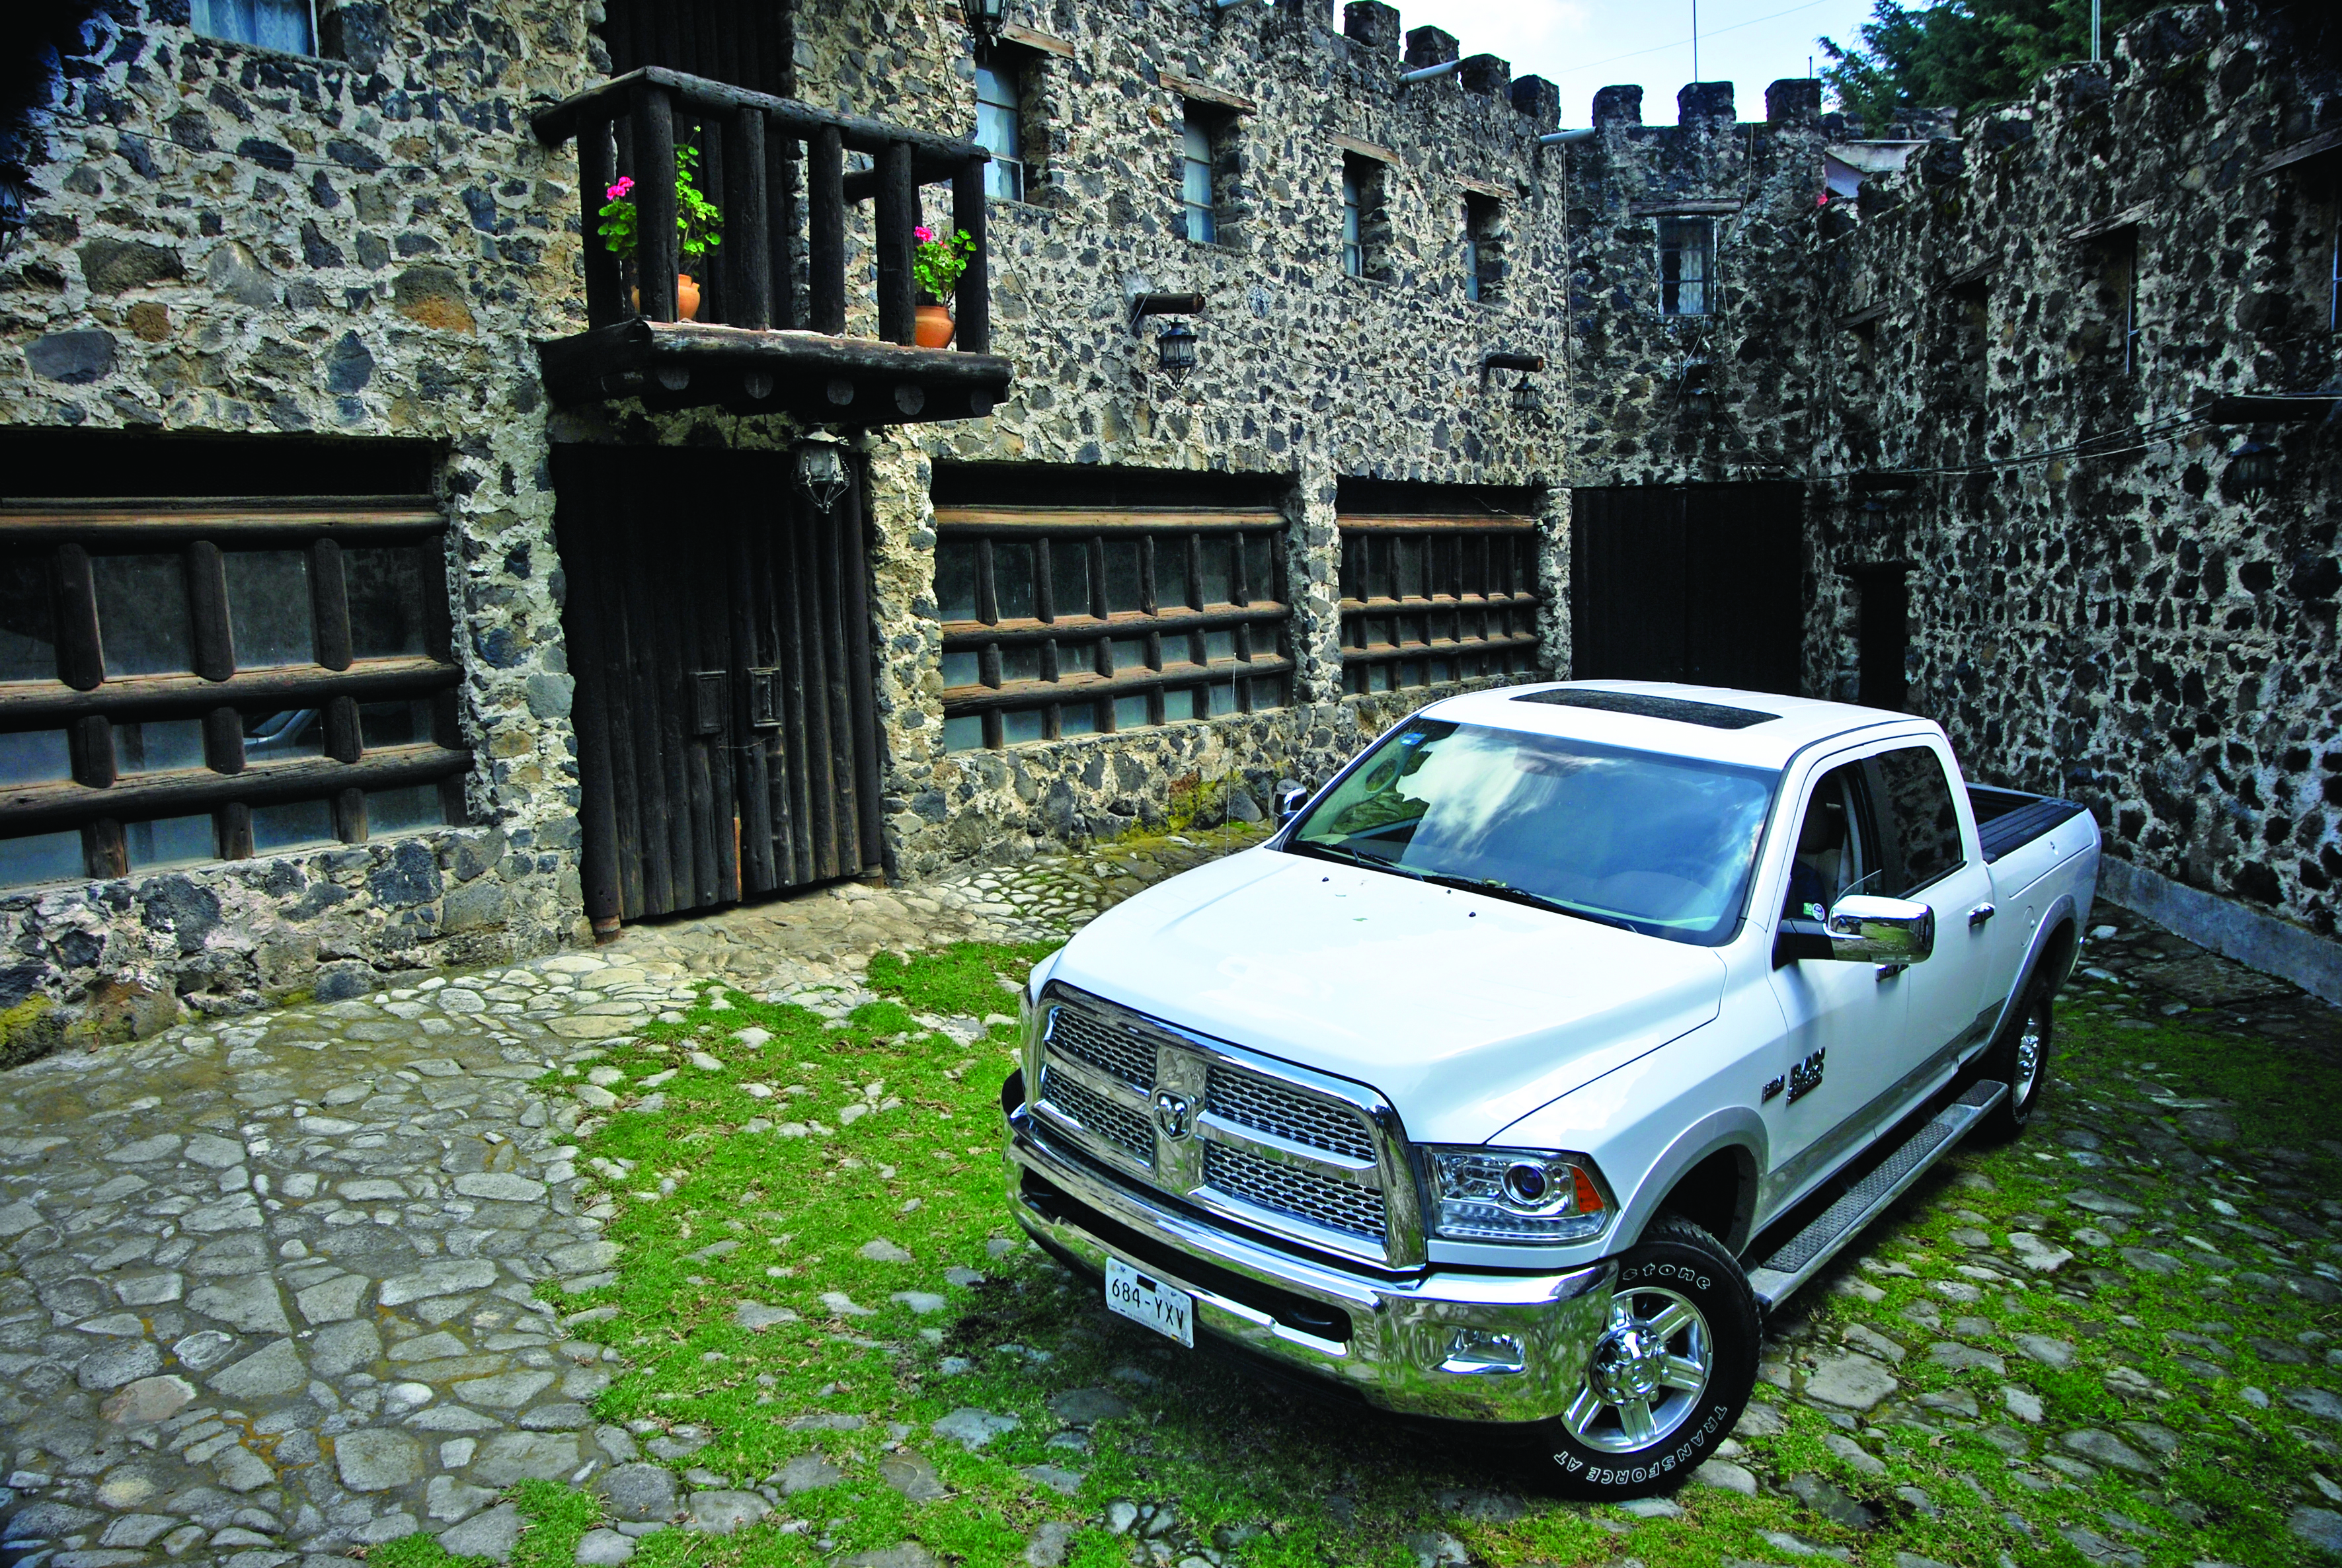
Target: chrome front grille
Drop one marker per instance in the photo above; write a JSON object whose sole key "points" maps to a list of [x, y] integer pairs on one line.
{"points": [[1293, 1115], [1290, 1190], [1280, 1149], [1082, 1034], [1123, 1127]]}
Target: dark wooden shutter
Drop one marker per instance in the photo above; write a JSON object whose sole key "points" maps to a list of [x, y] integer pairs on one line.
{"points": [[1701, 584]]}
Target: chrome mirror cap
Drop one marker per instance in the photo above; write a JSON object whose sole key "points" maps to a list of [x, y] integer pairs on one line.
{"points": [[1291, 797], [1864, 929]]}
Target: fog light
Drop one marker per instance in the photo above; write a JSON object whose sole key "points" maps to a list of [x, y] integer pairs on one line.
{"points": [[1475, 1352]]}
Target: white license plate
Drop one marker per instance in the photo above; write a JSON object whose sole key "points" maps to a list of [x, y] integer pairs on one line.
{"points": [[1166, 1309]]}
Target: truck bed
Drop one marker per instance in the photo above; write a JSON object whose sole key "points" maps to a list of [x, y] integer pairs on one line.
{"points": [[2007, 818]]}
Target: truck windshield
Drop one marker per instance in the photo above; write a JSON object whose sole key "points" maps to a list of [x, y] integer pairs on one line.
{"points": [[1659, 844]]}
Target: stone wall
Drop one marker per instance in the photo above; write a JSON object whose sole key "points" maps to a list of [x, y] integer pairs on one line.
{"points": [[232, 240], [2098, 607]]}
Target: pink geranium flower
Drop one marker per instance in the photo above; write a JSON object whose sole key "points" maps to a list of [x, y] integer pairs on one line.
{"points": [[618, 192], [923, 234]]}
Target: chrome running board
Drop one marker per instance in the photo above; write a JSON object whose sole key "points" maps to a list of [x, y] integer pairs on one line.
{"points": [[1778, 1277]]}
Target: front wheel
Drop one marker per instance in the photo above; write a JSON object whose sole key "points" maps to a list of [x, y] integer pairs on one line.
{"points": [[2020, 1059], [1667, 1378]]}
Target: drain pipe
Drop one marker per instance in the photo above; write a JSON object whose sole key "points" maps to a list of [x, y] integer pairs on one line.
{"points": [[1429, 72], [1564, 138]]}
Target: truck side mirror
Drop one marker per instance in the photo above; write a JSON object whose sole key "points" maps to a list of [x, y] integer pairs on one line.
{"points": [[1291, 796], [1864, 929]]}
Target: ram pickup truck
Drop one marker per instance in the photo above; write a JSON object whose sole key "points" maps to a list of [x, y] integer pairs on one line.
{"points": [[1541, 1051]]}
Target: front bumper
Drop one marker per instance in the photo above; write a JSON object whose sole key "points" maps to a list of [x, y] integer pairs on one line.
{"points": [[1467, 1347]]}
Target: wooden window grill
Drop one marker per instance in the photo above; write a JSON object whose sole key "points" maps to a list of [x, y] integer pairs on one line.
{"points": [[1432, 599], [1064, 623], [217, 679]]}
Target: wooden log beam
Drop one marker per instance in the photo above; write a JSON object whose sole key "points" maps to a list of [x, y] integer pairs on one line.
{"points": [[973, 315], [37, 808], [1012, 522], [46, 523], [825, 226], [598, 170], [657, 244], [898, 212], [557, 123], [748, 257], [45, 705], [960, 635], [1084, 687]]}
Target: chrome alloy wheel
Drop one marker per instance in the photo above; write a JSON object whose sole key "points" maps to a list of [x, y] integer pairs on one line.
{"points": [[2028, 1060], [1645, 1375]]}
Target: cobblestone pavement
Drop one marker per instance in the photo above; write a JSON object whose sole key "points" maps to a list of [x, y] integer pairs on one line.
{"points": [[293, 1281]]}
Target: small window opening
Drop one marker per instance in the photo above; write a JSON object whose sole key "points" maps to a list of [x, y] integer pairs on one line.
{"points": [[1000, 127], [287, 25], [1197, 178], [1686, 266], [1484, 248], [1354, 250]]}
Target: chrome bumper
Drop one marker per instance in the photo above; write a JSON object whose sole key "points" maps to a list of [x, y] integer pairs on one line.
{"points": [[1483, 1347]]}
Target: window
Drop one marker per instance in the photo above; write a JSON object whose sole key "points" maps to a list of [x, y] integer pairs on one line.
{"points": [[1070, 622], [1484, 248], [1919, 829], [1354, 250], [1686, 266], [287, 25], [1000, 128], [1432, 599], [1197, 178], [192, 684], [1831, 858]]}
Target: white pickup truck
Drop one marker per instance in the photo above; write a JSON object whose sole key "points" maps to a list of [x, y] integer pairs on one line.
{"points": [[1562, 1033]]}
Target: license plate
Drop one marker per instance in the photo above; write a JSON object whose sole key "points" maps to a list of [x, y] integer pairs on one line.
{"points": [[1166, 1309]]}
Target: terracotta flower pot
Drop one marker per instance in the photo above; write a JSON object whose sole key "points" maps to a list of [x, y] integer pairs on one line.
{"points": [[934, 328], [686, 298]]}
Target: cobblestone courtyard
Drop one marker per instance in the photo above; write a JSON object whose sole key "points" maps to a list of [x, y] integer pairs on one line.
{"points": [[307, 1282]]}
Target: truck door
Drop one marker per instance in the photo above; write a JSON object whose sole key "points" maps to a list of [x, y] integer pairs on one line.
{"points": [[1845, 1038], [1926, 856]]}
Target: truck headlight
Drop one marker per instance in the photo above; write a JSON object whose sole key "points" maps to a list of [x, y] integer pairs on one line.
{"points": [[1514, 1195]]}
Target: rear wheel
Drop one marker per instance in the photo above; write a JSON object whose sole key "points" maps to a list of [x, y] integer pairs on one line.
{"points": [[2020, 1059], [1666, 1379]]}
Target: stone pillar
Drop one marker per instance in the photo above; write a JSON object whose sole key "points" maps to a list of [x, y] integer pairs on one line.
{"points": [[1313, 578], [1793, 101], [1553, 517], [1487, 76], [1618, 105], [1540, 100], [1705, 101], [1371, 24], [1429, 46]]}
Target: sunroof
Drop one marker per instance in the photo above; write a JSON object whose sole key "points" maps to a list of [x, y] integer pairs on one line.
{"points": [[1713, 715]]}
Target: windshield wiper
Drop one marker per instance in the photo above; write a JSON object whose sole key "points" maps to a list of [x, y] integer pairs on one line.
{"points": [[1355, 856], [1495, 889]]}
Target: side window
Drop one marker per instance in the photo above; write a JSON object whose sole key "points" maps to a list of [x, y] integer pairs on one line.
{"points": [[1920, 831], [287, 25], [1000, 125], [1832, 856], [1686, 266], [1198, 160]]}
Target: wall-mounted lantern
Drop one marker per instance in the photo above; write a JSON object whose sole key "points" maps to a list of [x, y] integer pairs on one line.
{"points": [[1525, 399], [1174, 341], [1698, 389], [985, 18], [2252, 473], [823, 473]]}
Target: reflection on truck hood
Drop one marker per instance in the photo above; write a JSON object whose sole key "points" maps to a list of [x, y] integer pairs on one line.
{"points": [[1465, 1012]]}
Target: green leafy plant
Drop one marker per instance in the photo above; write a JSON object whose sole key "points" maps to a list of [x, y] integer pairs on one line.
{"points": [[698, 222], [937, 262]]}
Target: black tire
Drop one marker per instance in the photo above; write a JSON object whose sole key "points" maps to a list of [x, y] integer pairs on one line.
{"points": [[1591, 1453], [2020, 1057]]}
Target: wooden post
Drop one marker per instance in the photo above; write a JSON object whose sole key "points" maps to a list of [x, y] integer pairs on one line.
{"points": [[972, 303], [898, 210], [214, 647], [781, 223], [656, 248], [596, 172], [825, 220], [80, 663], [329, 605], [713, 267], [747, 231]]}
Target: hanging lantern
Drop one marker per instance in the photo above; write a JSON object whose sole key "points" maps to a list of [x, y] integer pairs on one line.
{"points": [[822, 473], [1174, 347], [985, 19], [1526, 400], [1698, 390], [2252, 473]]}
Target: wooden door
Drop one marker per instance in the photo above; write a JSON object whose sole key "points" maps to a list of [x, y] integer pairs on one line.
{"points": [[718, 629], [1696, 583]]}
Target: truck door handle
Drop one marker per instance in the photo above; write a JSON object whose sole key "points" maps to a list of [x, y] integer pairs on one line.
{"points": [[1980, 914]]}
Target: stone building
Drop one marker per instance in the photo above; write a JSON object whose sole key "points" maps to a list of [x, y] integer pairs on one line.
{"points": [[2043, 401], [381, 595]]}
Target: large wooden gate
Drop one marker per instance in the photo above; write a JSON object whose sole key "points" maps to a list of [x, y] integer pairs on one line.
{"points": [[1696, 583], [719, 631]]}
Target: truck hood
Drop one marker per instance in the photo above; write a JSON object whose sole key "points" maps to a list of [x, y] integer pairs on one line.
{"points": [[1466, 1012]]}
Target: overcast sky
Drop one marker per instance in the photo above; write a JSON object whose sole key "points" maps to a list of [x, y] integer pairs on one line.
{"points": [[1583, 45]]}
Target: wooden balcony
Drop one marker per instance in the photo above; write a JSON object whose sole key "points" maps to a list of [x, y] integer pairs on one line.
{"points": [[759, 345]]}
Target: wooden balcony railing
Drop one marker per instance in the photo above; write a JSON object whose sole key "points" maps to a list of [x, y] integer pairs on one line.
{"points": [[749, 146]]}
